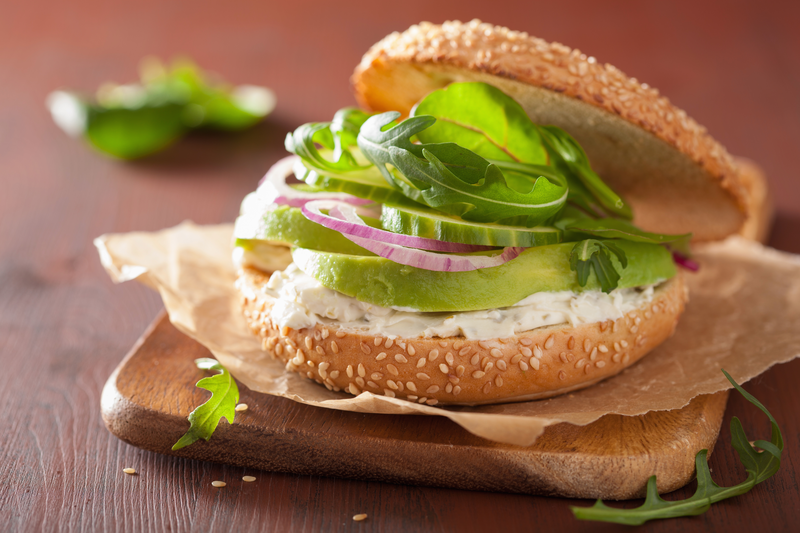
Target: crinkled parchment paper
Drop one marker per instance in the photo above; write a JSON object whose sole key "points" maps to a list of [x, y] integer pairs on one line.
{"points": [[743, 316]]}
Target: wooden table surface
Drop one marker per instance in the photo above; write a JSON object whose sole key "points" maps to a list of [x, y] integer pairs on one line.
{"points": [[64, 326]]}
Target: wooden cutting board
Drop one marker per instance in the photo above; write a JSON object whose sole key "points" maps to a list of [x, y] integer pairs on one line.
{"points": [[148, 397]]}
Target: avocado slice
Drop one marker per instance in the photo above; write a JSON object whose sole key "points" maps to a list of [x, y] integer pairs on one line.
{"points": [[543, 268]]}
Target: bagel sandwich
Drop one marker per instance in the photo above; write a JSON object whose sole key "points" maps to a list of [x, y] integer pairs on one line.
{"points": [[505, 219]]}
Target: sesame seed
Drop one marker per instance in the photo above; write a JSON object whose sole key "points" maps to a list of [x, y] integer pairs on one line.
{"points": [[353, 389], [411, 398], [623, 343], [444, 368], [449, 358], [432, 402], [614, 327], [360, 381], [487, 387], [129, 471], [563, 357], [372, 384], [360, 517], [433, 354], [475, 359], [616, 346], [602, 348], [604, 325], [448, 388], [501, 365], [376, 376], [325, 333], [320, 350], [637, 320], [365, 348], [310, 375], [634, 328], [400, 358], [240, 407], [571, 343], [423, 399], [460, 370], [334, 374], [465, 350], [535, 363], [488, 366], [587, 368], [483, 344], [279, 349], [496, 353], [527, 351], [537, 352], [284, 332], [218, 484], [392, 384], [387, 392], [549, 342], [411, 350], [389, 343], [432, 389], [562, 375], [392, 370], [456, 390], [478, 374], [458, 344], [516, 359], [248, 479], [526, 341], [410, 385], [443, 344], [593, 355], [616, 357], [498, 381], [587, 345], [523, 366], [340, 334], [600, 364], [423, 376], [378, 341], [349, 371], [421, 362], [648, 314], [381, 356], [309, 343], [625, 358], [580, 363], [334, 347]]}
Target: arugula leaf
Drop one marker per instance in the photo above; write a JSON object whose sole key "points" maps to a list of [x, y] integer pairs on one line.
{"points": [[760, 465], [592, 254], [614, 228], [224, 397], [487, 121], [451, 178]]}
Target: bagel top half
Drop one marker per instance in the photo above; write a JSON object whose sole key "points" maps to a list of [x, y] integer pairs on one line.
{"points": [[677, 178]]}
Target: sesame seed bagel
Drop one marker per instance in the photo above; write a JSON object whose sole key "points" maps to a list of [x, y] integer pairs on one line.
{"points": [[536, 364], [677, 178]]}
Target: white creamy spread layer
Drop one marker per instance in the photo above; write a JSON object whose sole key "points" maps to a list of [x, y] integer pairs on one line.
{"points": [[302, 302]]}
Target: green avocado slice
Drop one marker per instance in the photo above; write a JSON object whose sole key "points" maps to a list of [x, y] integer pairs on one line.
{"points": [[287, 225], [544, 268]]}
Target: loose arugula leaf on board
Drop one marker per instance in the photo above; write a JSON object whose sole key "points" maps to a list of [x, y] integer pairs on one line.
{"points": [[487, 121], [224, 397], [451, 178], [592, 254], [760, 465]]}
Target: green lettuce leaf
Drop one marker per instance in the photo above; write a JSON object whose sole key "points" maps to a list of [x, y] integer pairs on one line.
{"points": [[594, 255], [224, 397]]}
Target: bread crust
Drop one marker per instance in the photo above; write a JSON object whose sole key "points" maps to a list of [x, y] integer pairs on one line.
{"points": [[595, 102], [536, 364]]}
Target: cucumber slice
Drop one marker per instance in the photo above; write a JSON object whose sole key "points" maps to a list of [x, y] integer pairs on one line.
{"points": [[287, 225], [424, 222], [544, 268]]}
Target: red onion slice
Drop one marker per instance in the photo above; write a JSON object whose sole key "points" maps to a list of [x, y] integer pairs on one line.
{"points": [[344, 219], [272, 189], [685, 262], [404, 249]]}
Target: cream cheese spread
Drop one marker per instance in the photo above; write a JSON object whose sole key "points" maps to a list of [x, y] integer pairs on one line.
{"points": [[302, 302]]}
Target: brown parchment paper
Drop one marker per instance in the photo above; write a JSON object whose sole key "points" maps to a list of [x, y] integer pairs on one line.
{"points": [[743, 316]]}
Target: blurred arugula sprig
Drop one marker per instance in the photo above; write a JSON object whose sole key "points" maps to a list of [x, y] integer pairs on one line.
{"points": [[134, 120], [222, 404], [760, 465]]}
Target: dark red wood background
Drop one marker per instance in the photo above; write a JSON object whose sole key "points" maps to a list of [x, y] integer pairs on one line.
{"points": [[733, 65]]}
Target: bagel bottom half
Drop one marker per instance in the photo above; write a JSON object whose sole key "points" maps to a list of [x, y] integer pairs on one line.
{"points": [[536, 364]]}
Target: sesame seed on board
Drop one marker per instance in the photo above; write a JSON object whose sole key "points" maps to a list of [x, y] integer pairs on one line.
{"points": [[129, 471], [360, 517]]}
